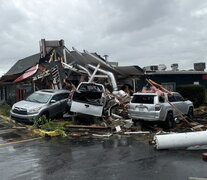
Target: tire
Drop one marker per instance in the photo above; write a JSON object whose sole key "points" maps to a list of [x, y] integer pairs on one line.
{"points": [[138, 122], [169, 121], [190, 113], [60, 115], [114, 110], [41, 119], [46, 114], [135, 121]]}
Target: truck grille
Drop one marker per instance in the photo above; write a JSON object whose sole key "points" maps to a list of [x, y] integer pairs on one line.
{"points": [[20, 111]]}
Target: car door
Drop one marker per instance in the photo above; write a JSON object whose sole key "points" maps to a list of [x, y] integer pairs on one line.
{"points": [[55, 105], [87, 102], [172, 100], [63, 98], [182, 106]]}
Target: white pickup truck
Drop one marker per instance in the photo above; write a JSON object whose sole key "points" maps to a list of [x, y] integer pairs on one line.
{"points": [[89, 98]]}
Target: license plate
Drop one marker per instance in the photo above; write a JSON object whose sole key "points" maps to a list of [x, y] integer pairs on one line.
{"points": [[142, 109]]}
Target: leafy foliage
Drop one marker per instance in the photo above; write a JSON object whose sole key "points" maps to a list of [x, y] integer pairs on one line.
{"points": [[195, 93], [5, 110], [51, 125]]}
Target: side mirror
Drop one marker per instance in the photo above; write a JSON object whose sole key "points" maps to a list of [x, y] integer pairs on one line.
{"points": [[53, 101]]}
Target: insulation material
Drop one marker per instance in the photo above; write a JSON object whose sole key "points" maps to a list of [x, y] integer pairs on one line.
{"points": [[180, 140]]}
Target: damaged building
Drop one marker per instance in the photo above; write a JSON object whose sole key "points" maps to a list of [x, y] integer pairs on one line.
{"points": [[171, 79], [54, 63]]}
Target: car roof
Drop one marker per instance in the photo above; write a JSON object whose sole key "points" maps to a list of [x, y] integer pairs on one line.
{"points": [[153, 94], [139, 93], [53, 91]]}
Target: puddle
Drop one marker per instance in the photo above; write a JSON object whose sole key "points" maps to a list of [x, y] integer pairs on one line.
{"points": [[10, 135], [1, 141], [2, 126]]}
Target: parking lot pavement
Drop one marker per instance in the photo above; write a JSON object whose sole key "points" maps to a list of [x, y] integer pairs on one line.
{"points": [[117, 157], [10, 134]]}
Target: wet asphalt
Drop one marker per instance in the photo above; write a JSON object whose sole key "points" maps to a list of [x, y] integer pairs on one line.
{"points": [[114, 158]]}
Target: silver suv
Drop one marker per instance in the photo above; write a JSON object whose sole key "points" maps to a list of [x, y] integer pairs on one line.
{"points": [[48, 102], [152, 107]]}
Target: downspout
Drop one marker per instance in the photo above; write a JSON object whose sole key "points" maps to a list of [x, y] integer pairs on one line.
{"points": [[110, 74], [64, 55]]}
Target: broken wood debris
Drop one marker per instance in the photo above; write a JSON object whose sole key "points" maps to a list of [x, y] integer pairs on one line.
{"points": [[137, 132], [86, 127]]}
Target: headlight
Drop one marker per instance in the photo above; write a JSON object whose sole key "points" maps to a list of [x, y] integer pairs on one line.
{"points": [[36, 110], [13, 107]]}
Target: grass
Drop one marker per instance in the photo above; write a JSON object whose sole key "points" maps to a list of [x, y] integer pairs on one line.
{"points": [[5, 110], [58, 127]]}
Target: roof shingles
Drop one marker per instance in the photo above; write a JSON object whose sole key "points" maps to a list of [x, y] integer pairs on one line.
{"points": [[24, 64]]}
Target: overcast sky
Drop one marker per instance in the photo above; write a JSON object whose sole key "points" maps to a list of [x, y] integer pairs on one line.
{"points": [[134, 32]]}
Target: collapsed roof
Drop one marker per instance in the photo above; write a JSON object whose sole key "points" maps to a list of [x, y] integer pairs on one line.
{"points": [[72, 58]]}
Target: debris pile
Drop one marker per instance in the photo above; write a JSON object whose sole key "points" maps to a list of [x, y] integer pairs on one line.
{"points": [[111, 110], [96, 93]]}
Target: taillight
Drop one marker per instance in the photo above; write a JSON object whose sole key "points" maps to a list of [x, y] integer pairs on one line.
{"points": [[157, 107]]}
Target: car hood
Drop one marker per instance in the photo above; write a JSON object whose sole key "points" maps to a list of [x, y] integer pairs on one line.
{"points": [[28, 105]]}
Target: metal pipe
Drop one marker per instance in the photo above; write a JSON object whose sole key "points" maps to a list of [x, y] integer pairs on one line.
{"points": [[85, 69], [94, 73], [70, 67], [134, 84], [110, 75], [180, 140], [64, 55]]}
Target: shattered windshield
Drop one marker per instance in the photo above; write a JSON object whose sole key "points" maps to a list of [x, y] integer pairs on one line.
{"points": [[90, 87], [39, 97]]}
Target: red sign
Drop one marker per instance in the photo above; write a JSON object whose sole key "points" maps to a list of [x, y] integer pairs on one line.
{"points": [[205, 76]]}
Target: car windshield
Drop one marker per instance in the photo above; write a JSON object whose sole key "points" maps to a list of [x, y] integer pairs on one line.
{"points": [[39, 98]]}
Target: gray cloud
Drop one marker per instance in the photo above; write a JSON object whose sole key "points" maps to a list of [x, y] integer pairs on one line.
{"points": [[130, 32]]}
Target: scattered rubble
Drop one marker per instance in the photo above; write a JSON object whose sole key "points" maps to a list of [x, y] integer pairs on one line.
{"points": [[204, 156], [95, 92]]}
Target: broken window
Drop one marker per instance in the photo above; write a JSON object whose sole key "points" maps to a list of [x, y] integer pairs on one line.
{"points": [[87, 87], [88, 97], [171, 98]]}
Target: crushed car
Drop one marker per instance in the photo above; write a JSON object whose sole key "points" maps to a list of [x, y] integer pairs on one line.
{"points": [[47, 102], [89, 98]]}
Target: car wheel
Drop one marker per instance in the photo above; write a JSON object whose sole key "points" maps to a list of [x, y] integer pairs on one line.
{"points": [[190, 113], [169, 121], [46, 114], [114, 109], [59, 115], [138, 122], [135, 121], [42, 119]]}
